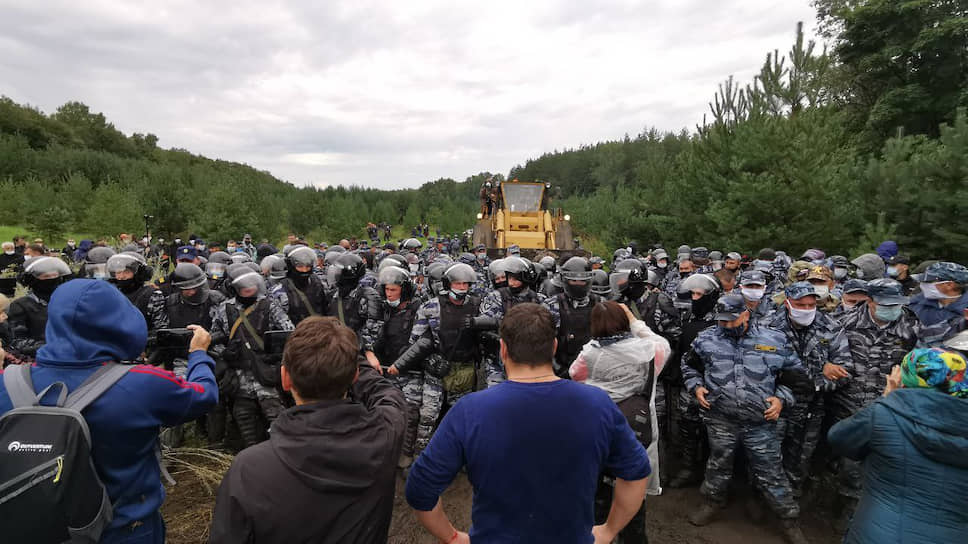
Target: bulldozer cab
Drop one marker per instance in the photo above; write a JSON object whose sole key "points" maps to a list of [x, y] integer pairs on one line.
{"points": [[522, 198]]}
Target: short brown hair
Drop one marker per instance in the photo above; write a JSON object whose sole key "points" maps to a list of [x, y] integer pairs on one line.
{"points": [[608, 319], [321, 357], [529, 334]]}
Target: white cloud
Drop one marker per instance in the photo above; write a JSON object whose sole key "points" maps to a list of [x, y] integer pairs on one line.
{"points": [[387, 94]]}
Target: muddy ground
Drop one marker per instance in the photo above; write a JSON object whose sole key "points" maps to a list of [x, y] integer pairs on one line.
{"points": [[188, 510]]}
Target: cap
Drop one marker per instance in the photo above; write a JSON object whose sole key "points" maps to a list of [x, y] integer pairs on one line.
{"points": [[752, 277], [854, 285], [734, 256], [479, 247], [899, 259], [813, 255], [186, 253], [887, 291], [945, 271], [766, 254], [729, 307], [800, 289], [819, 273], [660, 254]]}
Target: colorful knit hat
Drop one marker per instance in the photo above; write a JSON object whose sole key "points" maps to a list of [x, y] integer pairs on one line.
{"points": [[935, 368]]}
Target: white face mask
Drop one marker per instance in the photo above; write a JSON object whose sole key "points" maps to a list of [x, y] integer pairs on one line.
{"points": [[892, 271], [802, 317], [393, 303], [931, 291], [752, 295], [821, 290], [10, 252], [414, 268]]}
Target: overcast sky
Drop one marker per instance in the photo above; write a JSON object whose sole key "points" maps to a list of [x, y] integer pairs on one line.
{"points": [[387, 94]]}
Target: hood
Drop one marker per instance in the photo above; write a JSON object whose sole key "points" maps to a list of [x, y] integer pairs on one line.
{"points": [[85, 245], [355, 449], [936, 423], [89, 322]]}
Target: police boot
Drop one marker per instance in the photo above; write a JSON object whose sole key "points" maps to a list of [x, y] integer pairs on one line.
{"points": [[689, 474], [706, 513], [792, 532]]}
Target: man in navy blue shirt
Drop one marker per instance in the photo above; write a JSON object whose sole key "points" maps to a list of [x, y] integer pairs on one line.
{"points": [[534, 447]]}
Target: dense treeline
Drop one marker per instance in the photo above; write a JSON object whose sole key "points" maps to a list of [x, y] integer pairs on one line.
{"points": [[838, 148], [72, 171]]}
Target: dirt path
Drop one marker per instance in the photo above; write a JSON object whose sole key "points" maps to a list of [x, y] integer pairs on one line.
{"points": [[188, 512]]}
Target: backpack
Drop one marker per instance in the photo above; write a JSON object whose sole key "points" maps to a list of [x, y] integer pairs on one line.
{"points": [[49, 488]]}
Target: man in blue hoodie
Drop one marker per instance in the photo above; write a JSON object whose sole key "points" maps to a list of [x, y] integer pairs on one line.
{"points": [[90, 323]]}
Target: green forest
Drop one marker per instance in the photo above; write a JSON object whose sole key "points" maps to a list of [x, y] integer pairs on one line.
{"points": [[838, 147]]}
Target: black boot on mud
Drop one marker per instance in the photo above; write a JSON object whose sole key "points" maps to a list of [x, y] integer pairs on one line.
{"points": [[685, 478], [792, 532], [706, 514]]}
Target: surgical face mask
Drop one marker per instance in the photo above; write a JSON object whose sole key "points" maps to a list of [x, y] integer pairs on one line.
{"points": [[888, 312], [892, 271], [481, 256], [662, 264], [822, 290], [931, 291], [751, 294], [9, 252], [414, 268], [458, 295], [802, 317], [840, 273], [393, 303]]}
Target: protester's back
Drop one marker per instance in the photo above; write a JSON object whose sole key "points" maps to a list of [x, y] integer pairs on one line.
{"points": [[90, 322]]}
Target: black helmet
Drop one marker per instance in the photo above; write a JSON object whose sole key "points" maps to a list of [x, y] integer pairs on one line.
{"points": [[217, 263], [459, 272], [188, 276], [467, 258], [576, 277], [349, 270], [411, 244], [240, 276], [498, 273], [134, 262], [628, 282], [600, 284], [395, 259], [220, 257], [435, 277], [44, 274], [274, 267], [630, 263], [96, 262], [239, 257], [300, 256], [394, 275], [549, 264], [620, 255]]}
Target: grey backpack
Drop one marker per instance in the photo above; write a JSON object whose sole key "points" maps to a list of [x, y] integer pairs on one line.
{"points": [[49, 488]]}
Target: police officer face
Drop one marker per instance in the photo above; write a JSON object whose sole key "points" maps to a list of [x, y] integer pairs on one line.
{"points": [[731, 264], [247, 292], [853, 299], [697, 294], [686, 267], [304, 268], [804, 303], [514, 282], [462, 285], [188, 293], [122, 275], [392, 292]]}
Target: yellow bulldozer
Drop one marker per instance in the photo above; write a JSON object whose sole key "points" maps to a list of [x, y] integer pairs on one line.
{"points": [[521, 217]]}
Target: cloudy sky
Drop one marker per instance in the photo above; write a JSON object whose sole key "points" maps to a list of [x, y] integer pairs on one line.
{"points": [[387, 93]]}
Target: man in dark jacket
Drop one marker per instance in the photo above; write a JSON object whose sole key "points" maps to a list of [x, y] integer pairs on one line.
{"points": [[327, 472]]}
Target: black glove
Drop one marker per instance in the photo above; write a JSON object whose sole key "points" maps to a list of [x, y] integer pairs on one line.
{"points": [[437, 366]]}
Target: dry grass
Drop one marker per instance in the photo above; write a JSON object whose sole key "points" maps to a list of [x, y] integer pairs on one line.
{"points": [[188, 508]]}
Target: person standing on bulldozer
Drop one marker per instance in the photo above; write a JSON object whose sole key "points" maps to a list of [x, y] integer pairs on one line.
{"points": [[486, 199]]}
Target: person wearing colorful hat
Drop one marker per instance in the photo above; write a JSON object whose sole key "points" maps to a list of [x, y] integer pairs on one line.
{"points": [[912, 443]]}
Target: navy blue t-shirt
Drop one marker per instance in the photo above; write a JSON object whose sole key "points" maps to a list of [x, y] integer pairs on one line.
{"points": [[534, 452]]}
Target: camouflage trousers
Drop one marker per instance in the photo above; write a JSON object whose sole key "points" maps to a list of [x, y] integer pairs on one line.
{"points": [[434, 402], [800, 428], [493, 370], [761, 445], [688, 424], [411, 383]]}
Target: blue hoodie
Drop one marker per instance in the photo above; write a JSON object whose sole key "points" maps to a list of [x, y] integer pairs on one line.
{"points": [[89, 323], [912, 443]]}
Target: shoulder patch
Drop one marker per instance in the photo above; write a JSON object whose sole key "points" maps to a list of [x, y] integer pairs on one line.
{"points": [[764, 347]]}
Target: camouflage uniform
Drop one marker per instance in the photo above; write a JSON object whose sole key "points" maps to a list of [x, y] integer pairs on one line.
{"points": [[393, 340], [823, 341], [251, 396], [938, 323], [740, 374], [370, 279], [435, 398], [494, 305], [363, 303], [875, 351]]}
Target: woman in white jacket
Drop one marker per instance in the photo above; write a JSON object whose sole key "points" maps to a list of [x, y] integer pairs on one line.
{"points": [[623, 358]]}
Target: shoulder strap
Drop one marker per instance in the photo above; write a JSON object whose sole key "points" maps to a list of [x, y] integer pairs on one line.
{"points": [[239, 320], [95, 385], [291, 288], [16, 379]]}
